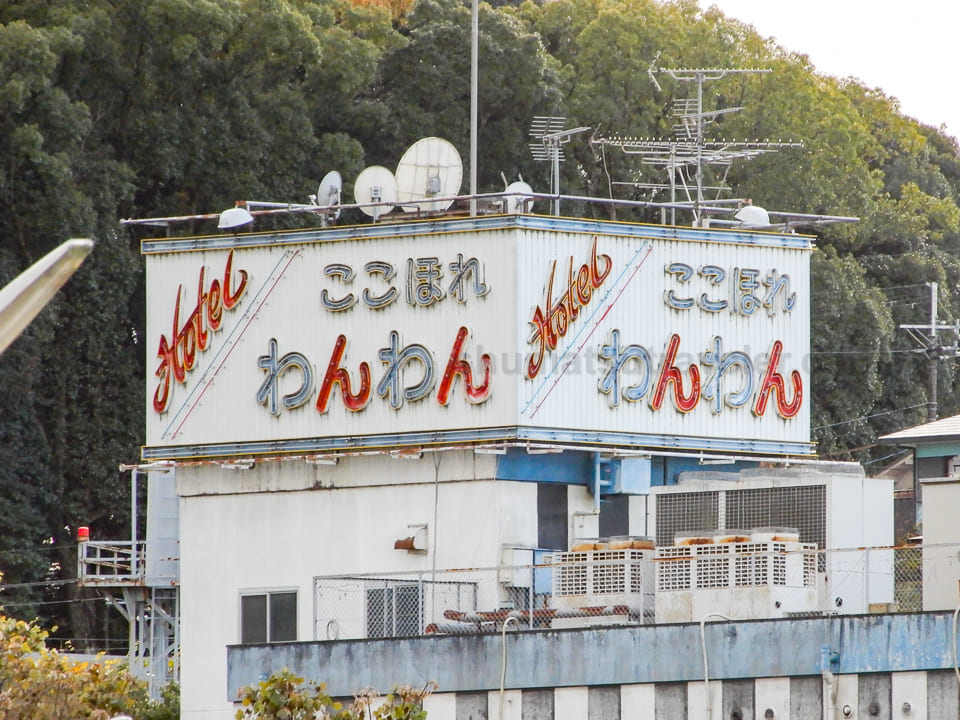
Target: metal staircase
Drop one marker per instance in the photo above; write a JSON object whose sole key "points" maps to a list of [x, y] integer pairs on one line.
{"points": [[141, 579]]}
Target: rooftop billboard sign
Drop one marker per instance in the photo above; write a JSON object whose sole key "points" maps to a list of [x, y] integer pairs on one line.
{"points": [[391, 336]]}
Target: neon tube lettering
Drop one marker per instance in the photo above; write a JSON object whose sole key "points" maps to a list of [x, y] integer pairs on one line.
{"points": [[457, 366], [670, 374], [552, 323], [773, 382], [178, 354], [391, 384], [269, 392], [610, 382], [336, 375]]}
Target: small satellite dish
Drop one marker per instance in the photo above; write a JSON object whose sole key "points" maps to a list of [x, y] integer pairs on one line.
{"points": [[515, 200], [753, 215], [375, 184], [329, 193], [431, 167]]}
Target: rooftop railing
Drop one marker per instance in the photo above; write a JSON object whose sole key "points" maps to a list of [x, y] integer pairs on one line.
{"points": [[752, 581]]}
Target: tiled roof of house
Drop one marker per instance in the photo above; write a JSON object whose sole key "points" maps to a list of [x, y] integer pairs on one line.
{"points": [[943, 429]]}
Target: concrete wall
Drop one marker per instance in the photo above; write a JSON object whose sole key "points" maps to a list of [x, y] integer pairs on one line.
{"points": [[278, 525], [652, 672], [887, 696], [614, 655]]}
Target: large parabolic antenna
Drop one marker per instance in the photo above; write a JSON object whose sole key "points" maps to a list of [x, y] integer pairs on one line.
{"points": [[375, 184], [430, 168]]}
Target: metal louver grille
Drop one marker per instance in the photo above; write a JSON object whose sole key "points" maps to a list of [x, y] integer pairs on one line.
{"points": [[799, 506], [685, 512]]}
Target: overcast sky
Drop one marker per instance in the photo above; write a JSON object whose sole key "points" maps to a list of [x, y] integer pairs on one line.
{"points": [[911, 50]]}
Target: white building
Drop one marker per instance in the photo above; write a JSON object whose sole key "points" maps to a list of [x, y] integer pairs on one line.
{"points": [[415, 396]]}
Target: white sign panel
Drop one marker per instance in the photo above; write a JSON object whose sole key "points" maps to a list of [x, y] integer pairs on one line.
{"points": [[599, 333]]}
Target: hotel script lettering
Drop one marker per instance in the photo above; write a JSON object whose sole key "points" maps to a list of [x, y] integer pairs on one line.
{"points": [[631, 372], [178, 351]]}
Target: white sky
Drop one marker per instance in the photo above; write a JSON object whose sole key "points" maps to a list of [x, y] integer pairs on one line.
{"points": [[911, 50]]}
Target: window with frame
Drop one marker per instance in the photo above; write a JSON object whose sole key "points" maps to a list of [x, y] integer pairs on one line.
{"points": [[268, 617]]}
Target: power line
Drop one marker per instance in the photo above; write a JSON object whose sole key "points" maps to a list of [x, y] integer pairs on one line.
{"points": [[900, 453], [864, 352], [44, 603], [41, 583], [42, 547], [868, 417], [870, 287], [848, 451]]}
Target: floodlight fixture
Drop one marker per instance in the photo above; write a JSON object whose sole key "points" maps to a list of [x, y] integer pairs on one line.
{"points": [[753, 215], [234, 217]]}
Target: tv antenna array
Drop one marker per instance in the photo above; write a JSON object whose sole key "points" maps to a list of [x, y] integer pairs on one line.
{"points": [[689, 149], [549, 138]]}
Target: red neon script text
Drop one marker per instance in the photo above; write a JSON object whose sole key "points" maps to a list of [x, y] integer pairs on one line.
{"points": [[178, 354], [553, 323]]}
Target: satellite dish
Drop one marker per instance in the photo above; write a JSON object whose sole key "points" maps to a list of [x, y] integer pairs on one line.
{"points": [[431, 167], [375, 184], [753, 215], [515, 200], [329, 193]]}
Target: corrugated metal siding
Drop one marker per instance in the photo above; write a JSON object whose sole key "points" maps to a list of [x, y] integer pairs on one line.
{"points": [[565, 393], [218, 402], [282, 302]]}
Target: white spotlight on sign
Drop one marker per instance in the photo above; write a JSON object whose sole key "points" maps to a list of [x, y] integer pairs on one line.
{"points": [[234, 217], [753, 215]]}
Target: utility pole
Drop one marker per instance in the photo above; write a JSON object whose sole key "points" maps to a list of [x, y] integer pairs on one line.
{"points": [[928, 337]]}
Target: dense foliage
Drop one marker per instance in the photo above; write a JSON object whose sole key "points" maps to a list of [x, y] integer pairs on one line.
{"points": [[42, 684], [167, 107], [284, 696]]}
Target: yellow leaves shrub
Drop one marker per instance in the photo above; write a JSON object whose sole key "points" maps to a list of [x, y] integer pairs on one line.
{"points": [[37, 683], [284, 696]]}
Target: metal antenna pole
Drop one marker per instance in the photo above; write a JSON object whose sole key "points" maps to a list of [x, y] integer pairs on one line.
{"points": [[555, 184], [549, 136], [699, 76], [673, 183], [699, 201], [474, 84], [932, 356]]}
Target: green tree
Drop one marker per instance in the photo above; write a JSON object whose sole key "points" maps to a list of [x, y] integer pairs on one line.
{"points": [[168, 107], [426, 86], [284, 696], [37, 683], [852, 334], [905, 280], [56, 185]]}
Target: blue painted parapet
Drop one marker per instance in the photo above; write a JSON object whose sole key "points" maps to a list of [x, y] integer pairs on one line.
{"points": [[627, 655]]}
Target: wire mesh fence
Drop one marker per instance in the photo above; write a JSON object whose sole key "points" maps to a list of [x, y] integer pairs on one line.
{"points": [[417, 603], [583, 589]]}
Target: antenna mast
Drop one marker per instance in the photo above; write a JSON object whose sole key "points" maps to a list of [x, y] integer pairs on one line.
{"points": [[690, 148], [551, 137]]}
